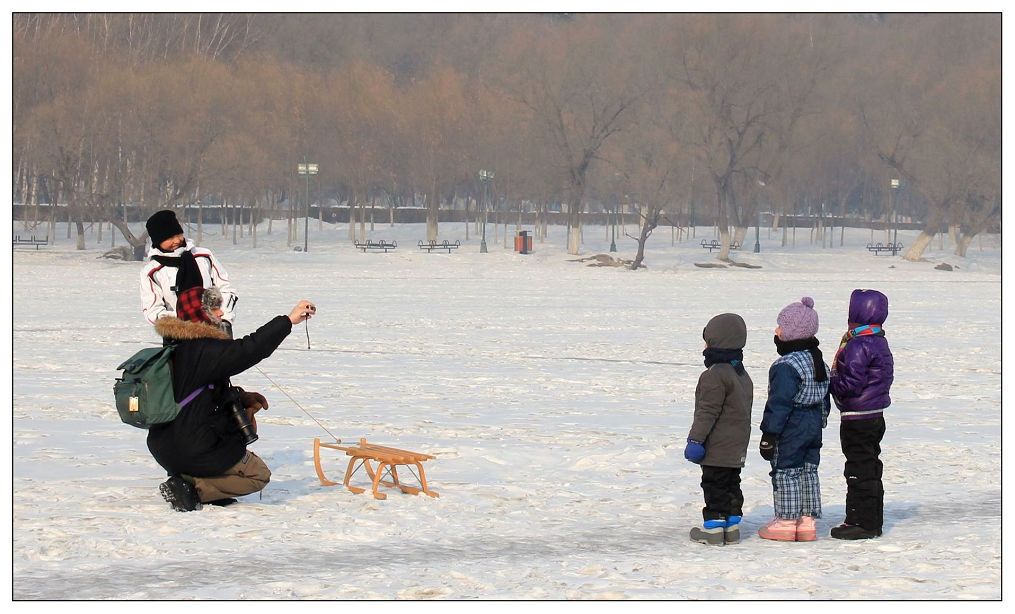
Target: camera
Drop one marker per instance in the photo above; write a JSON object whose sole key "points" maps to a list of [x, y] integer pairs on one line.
{"points": [[239, 414]]}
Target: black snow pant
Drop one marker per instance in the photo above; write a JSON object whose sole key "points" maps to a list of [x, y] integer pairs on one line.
{"points": [[723, 497], [865, 493]]}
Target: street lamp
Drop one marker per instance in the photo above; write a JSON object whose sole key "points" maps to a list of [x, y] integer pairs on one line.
{"points": [[306, 169], [485, 177], [757, 228], [895, 214], [757, 235], [613, 240]]}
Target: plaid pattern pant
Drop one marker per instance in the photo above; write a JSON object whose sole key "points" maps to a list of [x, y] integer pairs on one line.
{"points": [[796, 492]]}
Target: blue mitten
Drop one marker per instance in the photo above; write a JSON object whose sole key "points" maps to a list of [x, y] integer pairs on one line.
{"points": [[694, 451]]}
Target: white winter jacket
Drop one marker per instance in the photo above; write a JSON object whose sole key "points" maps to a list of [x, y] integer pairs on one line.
{"points": [[157, 295]]}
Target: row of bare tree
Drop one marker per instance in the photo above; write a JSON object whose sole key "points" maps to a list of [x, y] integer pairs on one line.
{"points": [[745, 112]]}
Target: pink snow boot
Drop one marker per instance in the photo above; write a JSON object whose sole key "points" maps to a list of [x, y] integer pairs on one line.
{"points": [[806, 530], [779, 529]]}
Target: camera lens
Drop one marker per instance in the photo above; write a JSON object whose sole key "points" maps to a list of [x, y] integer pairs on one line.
{"points": [[242, 421]]}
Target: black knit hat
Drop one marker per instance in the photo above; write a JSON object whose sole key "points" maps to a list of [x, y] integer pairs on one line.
{"points": [[162, 225]]}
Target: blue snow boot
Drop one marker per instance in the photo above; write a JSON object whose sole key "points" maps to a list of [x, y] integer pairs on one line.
{"points": [[710, 532], [731, 531]]}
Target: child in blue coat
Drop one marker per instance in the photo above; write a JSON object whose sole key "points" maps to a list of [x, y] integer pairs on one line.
{"points": [[796, 412]]}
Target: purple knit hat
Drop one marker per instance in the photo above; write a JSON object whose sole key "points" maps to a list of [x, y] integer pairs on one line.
{"points": [[798, 320]]}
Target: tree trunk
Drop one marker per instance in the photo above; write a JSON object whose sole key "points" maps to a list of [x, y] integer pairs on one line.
{"points": [[352, 217], [573, 238], [80, 227], [52, 214], [363, 219], [724, 239], [200, 223], [289, 220], [648, 224], [739, 234], [272, 207], [574, 220], [915, 251], [432, 206], [962, 244]]}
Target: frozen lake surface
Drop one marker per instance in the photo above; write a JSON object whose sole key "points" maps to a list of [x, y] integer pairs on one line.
{"points": [[556, 398]]}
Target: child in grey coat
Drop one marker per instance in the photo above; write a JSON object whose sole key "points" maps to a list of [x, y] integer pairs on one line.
{"points": [[721, 430]]}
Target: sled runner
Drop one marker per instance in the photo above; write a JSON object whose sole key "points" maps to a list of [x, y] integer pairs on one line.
{"points": [[388, 460]]}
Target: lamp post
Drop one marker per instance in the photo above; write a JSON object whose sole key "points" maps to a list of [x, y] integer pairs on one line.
{"points": [[895, 214], [757, 235], [613, 239], [485, 177], [306, 169]]}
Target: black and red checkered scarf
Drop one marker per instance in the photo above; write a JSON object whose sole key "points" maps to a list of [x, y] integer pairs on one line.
{"points": [[189, 307]]}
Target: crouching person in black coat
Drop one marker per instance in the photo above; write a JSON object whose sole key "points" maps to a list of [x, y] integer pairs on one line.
{"points": [[204, 449]]}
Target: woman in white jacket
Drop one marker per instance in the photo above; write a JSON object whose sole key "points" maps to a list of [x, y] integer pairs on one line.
{"points": [[174, 264]]}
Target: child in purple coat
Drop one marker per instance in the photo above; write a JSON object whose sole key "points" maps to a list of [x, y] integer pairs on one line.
{"points": [[862, 374]]}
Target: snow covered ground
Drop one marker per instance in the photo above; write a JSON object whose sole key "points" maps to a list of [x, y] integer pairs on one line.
{"points": [[556, 398]]}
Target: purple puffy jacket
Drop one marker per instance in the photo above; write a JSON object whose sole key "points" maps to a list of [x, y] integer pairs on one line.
{"points": [[863, 373]]}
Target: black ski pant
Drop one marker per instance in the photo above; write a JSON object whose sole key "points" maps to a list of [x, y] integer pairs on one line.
{"points": [[723, 497], [865, 493]]}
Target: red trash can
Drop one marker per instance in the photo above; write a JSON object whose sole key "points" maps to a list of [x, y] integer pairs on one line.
{"points": [[523, 242]]}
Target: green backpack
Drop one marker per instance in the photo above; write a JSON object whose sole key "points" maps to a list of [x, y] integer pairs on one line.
{"points": [[144, 395]]}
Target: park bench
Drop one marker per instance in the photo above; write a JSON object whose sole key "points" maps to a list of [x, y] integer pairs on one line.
{"points": [[429, 246], [388, 460], [376, 246], [877, 248], [19, 240], [715, 244]]}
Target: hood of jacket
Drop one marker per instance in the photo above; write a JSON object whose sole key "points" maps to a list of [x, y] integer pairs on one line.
{"points": [[868, 307], [727, 331], [170, 327]]}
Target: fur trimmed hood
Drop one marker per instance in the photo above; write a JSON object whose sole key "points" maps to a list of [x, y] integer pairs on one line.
{"points": [[171, 327]]}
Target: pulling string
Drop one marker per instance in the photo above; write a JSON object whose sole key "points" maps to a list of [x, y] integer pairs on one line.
{"points": [[282, 390]]}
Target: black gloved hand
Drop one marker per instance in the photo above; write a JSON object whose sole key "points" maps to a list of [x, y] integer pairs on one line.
{"points": [[227, 327], [768, 443]]}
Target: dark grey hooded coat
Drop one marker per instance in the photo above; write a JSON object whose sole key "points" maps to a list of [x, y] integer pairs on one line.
{"points": [[723, 399]]}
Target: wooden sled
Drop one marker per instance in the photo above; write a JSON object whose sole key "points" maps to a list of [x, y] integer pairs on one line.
{"points": [[388, 460]]}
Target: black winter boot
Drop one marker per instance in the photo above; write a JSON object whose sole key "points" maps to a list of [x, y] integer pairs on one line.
{"points": [[853, 531], [180, 494]]}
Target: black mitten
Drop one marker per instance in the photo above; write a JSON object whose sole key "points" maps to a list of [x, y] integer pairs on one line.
{"points": [[768, 443]]}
